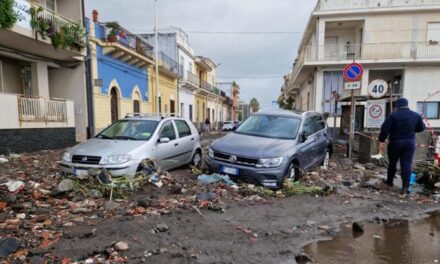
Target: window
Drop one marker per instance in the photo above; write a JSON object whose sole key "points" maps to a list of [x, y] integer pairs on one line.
{"points": [[172, 107], [190, 112], [51, 5], [183, 128], [430, 110], [182, 109], [270, 126], [168, 131], [129, 130], [433, 32]]}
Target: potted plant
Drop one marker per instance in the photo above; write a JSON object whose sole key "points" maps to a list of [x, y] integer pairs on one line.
{"points": [[114, 29]]}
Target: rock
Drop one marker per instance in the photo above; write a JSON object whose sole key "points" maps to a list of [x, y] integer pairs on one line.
{"points": [[37, 260], [95, 194], [121, 246], [206, 196], [162, 227], [370, 166], [303, 257], [358, 166], [64, 186], [358, 227], [310, 223], [8, 246]]}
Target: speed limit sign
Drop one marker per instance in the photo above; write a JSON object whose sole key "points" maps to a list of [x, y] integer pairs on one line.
{"points": [[378, 88]]}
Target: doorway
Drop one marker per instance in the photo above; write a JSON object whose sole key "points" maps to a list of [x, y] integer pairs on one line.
{"points": [[114, 108], [136, 106]]}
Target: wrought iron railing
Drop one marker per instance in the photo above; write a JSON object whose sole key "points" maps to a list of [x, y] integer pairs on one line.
{"points": [[42, 110], [169, 63], [206, 86], [192, 78]]}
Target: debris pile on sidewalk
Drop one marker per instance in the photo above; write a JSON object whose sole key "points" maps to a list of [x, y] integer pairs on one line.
{"points": [[428, 174]]}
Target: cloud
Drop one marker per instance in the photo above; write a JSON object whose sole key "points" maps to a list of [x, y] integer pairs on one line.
{"points": [[241, 55]]}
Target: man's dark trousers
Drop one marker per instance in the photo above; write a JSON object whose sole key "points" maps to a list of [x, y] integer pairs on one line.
{"points": [[402, 150]]}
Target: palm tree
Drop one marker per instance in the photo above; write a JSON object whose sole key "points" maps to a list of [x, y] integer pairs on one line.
{"points": [[255, 105]]}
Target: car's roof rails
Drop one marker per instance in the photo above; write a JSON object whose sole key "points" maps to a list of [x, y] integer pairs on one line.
{"points": [[161, 115]]}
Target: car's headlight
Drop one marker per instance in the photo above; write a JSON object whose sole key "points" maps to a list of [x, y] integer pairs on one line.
{"points": [[269, 163], [210, 153], [115, 159], [67, 157]]}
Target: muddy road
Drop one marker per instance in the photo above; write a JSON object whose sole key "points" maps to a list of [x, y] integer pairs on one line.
{"points": [[186, 222]]}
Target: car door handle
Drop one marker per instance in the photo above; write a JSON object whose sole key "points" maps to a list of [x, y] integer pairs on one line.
{"points": [[176, 144], [192, 139]]}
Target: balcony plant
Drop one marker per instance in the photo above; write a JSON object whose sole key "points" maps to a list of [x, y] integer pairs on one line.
{"points": [[114, 30], [8, 17]]}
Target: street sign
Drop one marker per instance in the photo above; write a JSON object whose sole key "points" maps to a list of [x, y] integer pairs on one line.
{"points": [[353, 72], [378, 88], [375, 113], [353, 85]]}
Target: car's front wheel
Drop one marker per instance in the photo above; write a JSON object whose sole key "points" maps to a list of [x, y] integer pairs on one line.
{"points": [[197, 159], [293, 172]]}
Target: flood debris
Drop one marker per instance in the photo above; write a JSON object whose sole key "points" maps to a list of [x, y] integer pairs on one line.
{"points": [[215, 178]]}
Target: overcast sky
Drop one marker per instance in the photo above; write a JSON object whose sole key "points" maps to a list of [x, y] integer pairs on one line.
{"points": [[240, 55]]}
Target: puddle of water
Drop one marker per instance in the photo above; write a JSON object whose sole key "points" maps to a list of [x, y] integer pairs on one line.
{"points": [[404, 243]]}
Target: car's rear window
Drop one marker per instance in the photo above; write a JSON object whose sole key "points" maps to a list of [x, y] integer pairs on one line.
{"points": [[270, 126], [129, 130]]}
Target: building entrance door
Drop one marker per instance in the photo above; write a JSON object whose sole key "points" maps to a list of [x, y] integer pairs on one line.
{"points": [[114, 105]]}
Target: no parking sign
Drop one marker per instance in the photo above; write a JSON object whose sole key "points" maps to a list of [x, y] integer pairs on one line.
{"points": [[375, 113]]}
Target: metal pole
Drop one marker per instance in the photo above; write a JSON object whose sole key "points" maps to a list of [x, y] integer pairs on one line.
{"points": [[156, 55], [335, 116], [352, 125]]}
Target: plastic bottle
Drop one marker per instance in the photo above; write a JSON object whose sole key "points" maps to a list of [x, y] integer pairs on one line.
{"points": [[412, 182]]}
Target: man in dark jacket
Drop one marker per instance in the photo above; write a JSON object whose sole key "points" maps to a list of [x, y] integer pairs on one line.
{"points": [[400, 128]]}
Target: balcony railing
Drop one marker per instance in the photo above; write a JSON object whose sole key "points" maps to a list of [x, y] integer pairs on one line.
{"points": [[325, 5], [366, 52], [169, 63], [192, 78], [206, 86], [42, 110], [127, 39]]}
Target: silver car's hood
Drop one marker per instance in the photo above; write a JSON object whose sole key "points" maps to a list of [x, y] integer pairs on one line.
{"points": [[105, 147], [251, 146]]}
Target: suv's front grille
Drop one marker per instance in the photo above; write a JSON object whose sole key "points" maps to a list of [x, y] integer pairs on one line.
{"points": [[240, 160], [86, 159]]}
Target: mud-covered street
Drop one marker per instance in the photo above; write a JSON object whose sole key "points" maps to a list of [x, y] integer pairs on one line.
{"points": [[183, 221]]}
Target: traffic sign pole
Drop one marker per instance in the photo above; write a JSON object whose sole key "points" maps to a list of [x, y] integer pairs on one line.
{"points": [[352, 73], [352, 125]]}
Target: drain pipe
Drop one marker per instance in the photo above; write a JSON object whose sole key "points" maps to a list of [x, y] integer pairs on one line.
{"points": [[89, 84]]}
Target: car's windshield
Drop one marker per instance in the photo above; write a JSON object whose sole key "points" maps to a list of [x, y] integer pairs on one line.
{"points": [[270, 126], [129, 130]]}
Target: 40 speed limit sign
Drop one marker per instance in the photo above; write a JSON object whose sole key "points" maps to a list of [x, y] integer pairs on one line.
{"points": [[378, 88]]}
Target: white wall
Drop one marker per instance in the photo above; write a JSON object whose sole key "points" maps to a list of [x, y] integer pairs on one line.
{"points": [[419, 83], [187, 98], [187, 60]]}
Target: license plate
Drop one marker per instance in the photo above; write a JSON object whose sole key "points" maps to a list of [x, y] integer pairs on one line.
{"points": [[228, 170], [80, 173]]}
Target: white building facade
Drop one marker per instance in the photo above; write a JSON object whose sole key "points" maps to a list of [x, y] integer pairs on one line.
{"points": [[395, 40]]}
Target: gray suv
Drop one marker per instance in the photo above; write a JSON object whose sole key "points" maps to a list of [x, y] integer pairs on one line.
{"points": [[272, 145]]}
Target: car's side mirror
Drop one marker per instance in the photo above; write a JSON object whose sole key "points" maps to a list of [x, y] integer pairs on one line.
{"points": [[164, 140], [303, 136]]}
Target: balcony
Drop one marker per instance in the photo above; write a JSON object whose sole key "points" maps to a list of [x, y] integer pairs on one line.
{"points": [[395, 52], [190, 81], [124, 45], [169, 66], [325, 5], [18, 111], [206, 86], [38, 30]]}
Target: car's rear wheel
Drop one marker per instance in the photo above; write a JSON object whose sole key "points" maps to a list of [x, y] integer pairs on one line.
{"points": [[197, 159]]}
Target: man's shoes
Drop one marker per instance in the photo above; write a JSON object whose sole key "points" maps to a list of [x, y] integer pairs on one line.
{"points": [[386, 182], [405, 190]]}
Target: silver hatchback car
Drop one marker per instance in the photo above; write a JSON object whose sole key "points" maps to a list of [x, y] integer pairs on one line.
{"points": [[121, 148]]}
